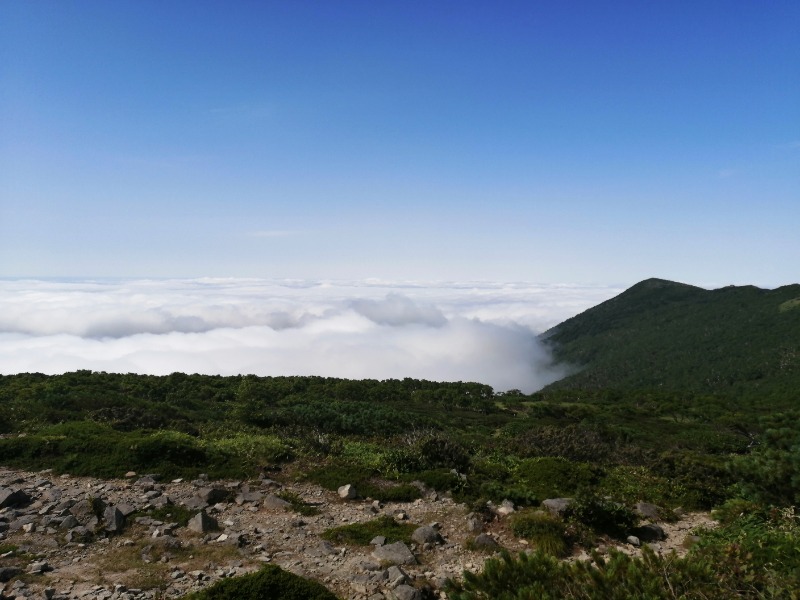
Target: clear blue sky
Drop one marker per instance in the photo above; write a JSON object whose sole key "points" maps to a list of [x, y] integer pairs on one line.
{"points": [[541, 141]]}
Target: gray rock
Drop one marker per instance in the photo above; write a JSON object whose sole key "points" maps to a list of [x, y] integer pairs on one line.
{"points": [[248, 496], [78, 534], [113, 519], [52, 495], [505, 508], [271, 501], [557, 506], [39, 567], [406, 592], [395, 576], [202, 523], [145, 482], [69, 522], [474, 523], [214, 495], [485, 542], [162, 501], [322, 549], [426, 535], [396, 554], [633, 540], [378, 540], [195, 503], [348, 492], [10, 497], [648, 511], [7, 573], [650, 533], [84, 511]]}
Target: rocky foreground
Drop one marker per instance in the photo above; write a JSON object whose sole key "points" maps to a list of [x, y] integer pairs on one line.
{"points": [[64, 537]]}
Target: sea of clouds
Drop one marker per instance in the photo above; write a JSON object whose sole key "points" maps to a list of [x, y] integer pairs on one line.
{"points": [[464, 331]]}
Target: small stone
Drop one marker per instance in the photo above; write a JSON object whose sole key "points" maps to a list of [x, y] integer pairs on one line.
{"points": [[348, 492]]}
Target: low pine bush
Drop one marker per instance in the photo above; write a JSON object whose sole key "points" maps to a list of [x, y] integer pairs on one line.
{"points": [[545, 532], [270, 582]]}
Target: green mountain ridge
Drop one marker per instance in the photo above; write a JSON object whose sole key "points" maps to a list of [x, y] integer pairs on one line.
{"points": [[739, 340]]}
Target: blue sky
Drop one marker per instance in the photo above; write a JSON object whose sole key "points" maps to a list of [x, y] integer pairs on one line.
{"points": [[599, 142]]}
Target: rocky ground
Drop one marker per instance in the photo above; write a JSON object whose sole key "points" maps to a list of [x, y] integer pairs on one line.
{"points": [[65, 537]]}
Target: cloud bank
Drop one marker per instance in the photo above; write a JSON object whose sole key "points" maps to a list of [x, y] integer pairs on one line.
{"points": [[462, 331]]}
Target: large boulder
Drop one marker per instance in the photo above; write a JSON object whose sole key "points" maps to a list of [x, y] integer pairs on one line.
{"points": [[113, 519], [645, 510], [651, 532], [426, 535], [11, 497], [202, 523], [214, 495], [406, 592], [78, 534], [6, 573], [395, 554], [86, 512], [484, 541], [271, 501]]}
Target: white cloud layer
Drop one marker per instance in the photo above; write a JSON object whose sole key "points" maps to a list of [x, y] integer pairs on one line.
{"points": [[483, 332]]}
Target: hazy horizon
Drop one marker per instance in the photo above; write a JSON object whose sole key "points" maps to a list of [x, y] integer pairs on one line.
{"points": [[455, 331]]}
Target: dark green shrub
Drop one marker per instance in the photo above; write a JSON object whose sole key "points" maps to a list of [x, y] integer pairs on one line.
{"points": [[549, 477], [771, 472], [520, 495], [360, 534], [270, 582], [735, 509], [757, 552], [601, 515], [696, 481], [397, 461], [441, 452], [539, 576]]}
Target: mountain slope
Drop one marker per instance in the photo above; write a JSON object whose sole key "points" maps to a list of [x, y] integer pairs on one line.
{"points": [[662, 334]]}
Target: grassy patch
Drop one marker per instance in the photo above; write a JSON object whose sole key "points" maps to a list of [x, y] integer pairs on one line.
{"points": [[270, 582], [174, 513], [126, 564], [545, 532], [361, 534], [298, 505]]}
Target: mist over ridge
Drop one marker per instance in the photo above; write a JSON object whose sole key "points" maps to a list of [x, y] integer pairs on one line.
{"points": [[443, 331]]}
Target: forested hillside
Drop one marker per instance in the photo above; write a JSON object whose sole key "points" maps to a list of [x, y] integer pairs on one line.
{"points": [[741, 342]]}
